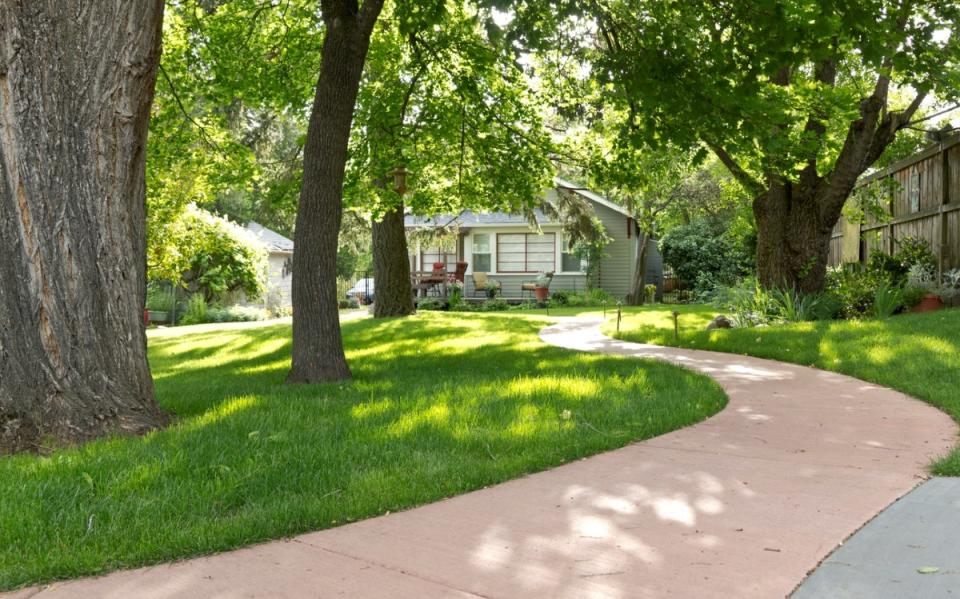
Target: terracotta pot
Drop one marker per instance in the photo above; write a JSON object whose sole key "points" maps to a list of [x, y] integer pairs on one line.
{"points": [[541, 293], [929, 303]]}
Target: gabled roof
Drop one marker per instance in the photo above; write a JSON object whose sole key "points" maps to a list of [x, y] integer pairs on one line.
{"points": [[468, 218], [590, 195], [274, 241]]}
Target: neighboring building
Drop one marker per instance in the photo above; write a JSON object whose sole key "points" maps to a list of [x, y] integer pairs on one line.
{"points": [[512, 252], [280, 261]]}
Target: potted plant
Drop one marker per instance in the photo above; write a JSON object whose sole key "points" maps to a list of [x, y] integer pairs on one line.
{"points": [[492, 288], [541, 289], [924, 277]]}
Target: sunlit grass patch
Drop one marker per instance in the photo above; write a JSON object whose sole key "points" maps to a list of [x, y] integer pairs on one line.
{"points": [[440, 404]]}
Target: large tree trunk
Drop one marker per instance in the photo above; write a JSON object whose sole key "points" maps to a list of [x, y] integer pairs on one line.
{"points": [[317, 342], [76, 83], [637, 295], [794, 226], [391, 267]]}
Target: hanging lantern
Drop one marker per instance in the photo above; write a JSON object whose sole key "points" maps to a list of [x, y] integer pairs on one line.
{"points": [[399, 175]]}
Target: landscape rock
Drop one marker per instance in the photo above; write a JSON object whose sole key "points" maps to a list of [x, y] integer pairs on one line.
{"points": [[720, 322]]}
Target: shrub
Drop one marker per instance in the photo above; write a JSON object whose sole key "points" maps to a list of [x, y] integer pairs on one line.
{"points": [[235, 314], [204, 253], [456, 294], [853, 291], [793, 306], [915, 251], [887, 300], [596, 297], [560, 297], [705, 257], [161, 297], [925, 277], [196, 311], [912, 295], [348, 304], [495, 305], [750, 304], [883, 265], [431, 304]]}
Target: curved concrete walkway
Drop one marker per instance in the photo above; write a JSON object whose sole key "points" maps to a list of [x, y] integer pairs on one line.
{"points": [[741, 505]]}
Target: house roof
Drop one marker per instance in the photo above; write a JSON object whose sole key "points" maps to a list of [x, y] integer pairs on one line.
{"points": [[469, 218], [590, 195], [274, 241]]}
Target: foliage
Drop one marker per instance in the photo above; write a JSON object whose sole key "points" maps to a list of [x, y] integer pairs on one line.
{"points": [[887, 267], [854, 291], [196, 310], [650, 291], [915, 251], [750, 304], [925, 277], [208, 254], [248, 459], [795, 306], [913, 295], [704, 258], [451, 105], [887, 300], [951, 284], [235, 314], [796, 98], [560, 297], [348, 304], [161, 298], [431, 303]]}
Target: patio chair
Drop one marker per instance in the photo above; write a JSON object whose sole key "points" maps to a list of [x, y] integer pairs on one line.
{"points": [[461, 270], [480, 281], [436, 278], [530, 286]]}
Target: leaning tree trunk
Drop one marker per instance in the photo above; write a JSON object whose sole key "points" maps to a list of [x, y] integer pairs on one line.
{"points": [[76, 83], [794, 225], [317, 343], [391, 267], [637, 295]]}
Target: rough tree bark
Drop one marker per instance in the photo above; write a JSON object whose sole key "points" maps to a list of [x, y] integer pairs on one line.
{"points": [[391, 267], [795, 218], [76, 84], [637, 295], [317, 342]]}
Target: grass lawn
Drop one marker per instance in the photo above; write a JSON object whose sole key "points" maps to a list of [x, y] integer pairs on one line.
{"points": [[441, 404], [918, 354]]}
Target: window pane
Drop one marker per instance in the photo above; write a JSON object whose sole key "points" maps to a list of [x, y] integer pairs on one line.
{"points": [[571, 263], [539, 265], [481, 263], [481, 243]]}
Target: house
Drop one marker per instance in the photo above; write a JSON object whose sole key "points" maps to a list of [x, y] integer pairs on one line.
{"points": [[513, 252], [280, 260]]}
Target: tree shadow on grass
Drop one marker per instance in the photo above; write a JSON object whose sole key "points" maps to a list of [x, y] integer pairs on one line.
{"points": [[447, 405]]}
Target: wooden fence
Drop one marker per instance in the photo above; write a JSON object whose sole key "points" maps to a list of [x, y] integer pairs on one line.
{"points": [[921, 199]]}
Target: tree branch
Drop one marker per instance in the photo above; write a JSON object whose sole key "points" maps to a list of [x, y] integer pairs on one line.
{"points": [[739, 173]]}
